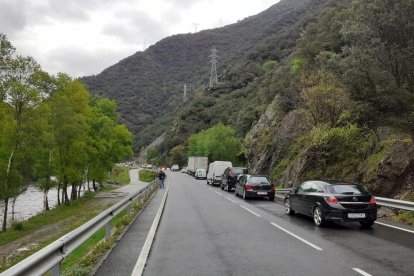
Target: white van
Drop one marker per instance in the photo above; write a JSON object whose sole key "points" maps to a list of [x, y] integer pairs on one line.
{"points": [[200, 174], [216, 170]]}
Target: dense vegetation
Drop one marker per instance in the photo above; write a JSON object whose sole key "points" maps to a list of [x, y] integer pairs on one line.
{"points": [[318, 94], [52, 126], [148, 86]]}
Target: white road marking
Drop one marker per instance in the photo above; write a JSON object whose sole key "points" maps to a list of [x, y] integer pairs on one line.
{"points": [[210, 189], [296, 236], [360, 271], [230, 199], [396, 227], [218, 193], [247, 209], [142, 259]]}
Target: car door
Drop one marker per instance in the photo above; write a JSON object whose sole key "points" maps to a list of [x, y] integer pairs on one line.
{"points": [[299, 202], [312, 193], [240, 184]]}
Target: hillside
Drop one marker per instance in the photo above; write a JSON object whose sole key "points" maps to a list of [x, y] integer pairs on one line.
{"points": [[148, 85], [336, 103]]}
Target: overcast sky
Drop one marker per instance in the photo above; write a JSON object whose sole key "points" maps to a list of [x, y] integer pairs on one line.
{"points": [[83, 37]]}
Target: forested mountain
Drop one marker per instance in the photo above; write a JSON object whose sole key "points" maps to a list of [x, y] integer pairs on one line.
{"points": [[148, 86], [314, 90]]}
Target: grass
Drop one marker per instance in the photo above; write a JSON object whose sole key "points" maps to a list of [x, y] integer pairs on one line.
{"points": [[57, 214], [146, 176], [406, 217], [120, 175], [74, 258], [85, 257]]}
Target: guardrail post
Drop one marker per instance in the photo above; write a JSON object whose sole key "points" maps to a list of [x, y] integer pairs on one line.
{"points": [[129, 210], [108, 231], [55, 271]]}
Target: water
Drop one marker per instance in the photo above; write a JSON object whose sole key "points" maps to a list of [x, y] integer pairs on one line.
{"points": [[30, 203]]}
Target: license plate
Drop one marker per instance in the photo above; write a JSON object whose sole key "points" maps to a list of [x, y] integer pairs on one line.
{"points": [[262, 193], [356, 215]]}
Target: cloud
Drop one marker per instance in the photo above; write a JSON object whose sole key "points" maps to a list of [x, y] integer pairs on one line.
{"points": [[12, 16], [133, 26], [80, 62]]}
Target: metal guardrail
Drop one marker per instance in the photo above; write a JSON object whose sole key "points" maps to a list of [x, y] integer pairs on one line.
{"points": [[382, 201], [50, 257]]}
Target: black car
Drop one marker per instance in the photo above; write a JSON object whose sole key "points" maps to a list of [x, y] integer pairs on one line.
{"points": [[230, 177], [250, 186], [332, 202]]}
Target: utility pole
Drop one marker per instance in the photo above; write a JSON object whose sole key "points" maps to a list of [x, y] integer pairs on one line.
{"points": [[196, 26], [185, 97], [213, 72]]}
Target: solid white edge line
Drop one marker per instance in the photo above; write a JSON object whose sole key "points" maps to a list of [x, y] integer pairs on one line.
{"points": [[296, 236], [247, 209], [396, 227], [230, 199], [360, 271], [143, 256], [218, 193], [210, 189]]}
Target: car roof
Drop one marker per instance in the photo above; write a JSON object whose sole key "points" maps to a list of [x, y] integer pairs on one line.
{"points": [[331, 182]]}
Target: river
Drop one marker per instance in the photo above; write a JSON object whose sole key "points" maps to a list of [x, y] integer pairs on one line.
{"points": [[30, 203]]}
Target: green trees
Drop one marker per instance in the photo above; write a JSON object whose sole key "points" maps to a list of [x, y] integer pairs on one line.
{"points": [[217, 143], [52, 130]]}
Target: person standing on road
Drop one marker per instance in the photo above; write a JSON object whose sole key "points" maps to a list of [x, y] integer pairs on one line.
{"points": [[161, 177]]}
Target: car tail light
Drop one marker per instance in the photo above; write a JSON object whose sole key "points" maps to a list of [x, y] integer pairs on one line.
{"points": [[331, 200], [248, 186], [272, 187], [372, 201]]}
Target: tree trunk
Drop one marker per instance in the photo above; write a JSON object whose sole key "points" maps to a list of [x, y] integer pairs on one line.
{"points": [[73, 192], [6, 205], [79, 190], [58, 195], [94, 185], [89, 188], [13, 205], [45, 200], [65, 190]]}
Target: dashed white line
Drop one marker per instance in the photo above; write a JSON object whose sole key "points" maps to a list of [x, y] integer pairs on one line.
{"points": [[230, 199], [218, 193], [296, 236], [396, 227], [247, 209], [360, 271], [210, 189]]}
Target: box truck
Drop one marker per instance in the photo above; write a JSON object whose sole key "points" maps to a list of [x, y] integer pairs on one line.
{"points": [[196, 162]]}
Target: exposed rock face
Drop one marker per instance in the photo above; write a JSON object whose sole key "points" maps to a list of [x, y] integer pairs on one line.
{"points": [[393, 174], [143, 153], [271, 138], [386, 171]]}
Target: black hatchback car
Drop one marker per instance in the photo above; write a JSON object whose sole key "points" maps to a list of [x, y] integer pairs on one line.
{"points": [[230, 177], [250, 186], [332, 202]]}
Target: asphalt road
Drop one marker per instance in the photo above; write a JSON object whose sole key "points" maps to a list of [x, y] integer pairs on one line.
{"points": [[207, 231]]}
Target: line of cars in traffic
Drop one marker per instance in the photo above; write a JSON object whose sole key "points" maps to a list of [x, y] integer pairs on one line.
{"points": [[335, 201]]}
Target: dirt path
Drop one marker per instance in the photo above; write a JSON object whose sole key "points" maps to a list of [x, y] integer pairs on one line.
{"points": [[94, 206]]}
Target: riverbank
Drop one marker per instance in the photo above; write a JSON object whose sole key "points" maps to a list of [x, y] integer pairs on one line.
{"points": [[42, 229]]}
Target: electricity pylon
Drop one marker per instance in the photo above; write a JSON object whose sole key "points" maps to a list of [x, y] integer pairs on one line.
{"points": [[213, 73], [185, 97]]}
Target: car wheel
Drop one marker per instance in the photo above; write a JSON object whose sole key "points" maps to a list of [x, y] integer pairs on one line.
{"points": [[288, 210], [228, 189], [222, 187], [318, 218], [271, 198], [244, 195], [367, 224]]}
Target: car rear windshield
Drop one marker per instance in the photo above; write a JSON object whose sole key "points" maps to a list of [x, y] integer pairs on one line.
{"points": [[346, 189], [239, 171], [258, 180]]}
